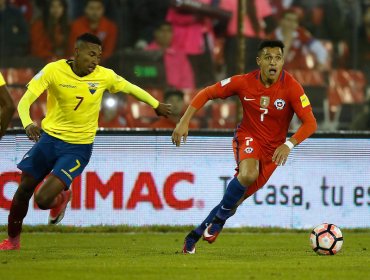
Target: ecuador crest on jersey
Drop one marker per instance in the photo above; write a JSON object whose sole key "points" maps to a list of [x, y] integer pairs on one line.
{"points": [[93, 87]]}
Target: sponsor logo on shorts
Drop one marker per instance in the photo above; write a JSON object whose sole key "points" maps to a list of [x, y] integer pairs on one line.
{"points": [[248, 150], [279, 104]]}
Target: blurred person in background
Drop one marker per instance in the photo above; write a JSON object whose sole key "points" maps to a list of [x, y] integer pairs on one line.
{"points": [[313, 14], [176, 99], [193, 34], [14, 33], [279, 6], [114, 113], [337, 21], [7, 107], [362, 119], [96, 23], [147, 16], [49, 34], [254, 22], [299, 43], [364, 44], [179, 73], [25, 6], [76, 8]]}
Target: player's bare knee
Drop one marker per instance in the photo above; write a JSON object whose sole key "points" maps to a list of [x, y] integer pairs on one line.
{"points": [[248, 178]]}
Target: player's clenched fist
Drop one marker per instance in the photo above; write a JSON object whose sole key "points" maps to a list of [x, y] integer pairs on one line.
{"points": [[163, 110], [181, 131]]}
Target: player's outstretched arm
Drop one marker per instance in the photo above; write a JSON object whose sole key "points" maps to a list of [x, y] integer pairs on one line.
{"points": [[7, 109], [161, 109], [182, 128], [32, 130]]}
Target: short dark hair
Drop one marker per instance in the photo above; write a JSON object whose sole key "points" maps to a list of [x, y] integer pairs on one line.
{"points": [[271, 44], [89, 38], [173, 92]]}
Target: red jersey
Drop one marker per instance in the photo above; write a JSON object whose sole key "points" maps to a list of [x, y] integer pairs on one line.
{"points": [[267, 112]]}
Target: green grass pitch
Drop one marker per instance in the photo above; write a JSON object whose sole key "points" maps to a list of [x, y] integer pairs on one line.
{"points": [[154, 255]]}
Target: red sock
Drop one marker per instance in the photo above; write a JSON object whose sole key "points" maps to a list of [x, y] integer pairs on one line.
{"points": [[18, 210], [58, 200]]}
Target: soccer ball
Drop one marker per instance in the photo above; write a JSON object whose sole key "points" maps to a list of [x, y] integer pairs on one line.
{"points": [[326, 239]]}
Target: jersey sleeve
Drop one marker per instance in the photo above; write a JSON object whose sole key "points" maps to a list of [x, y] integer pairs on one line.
{"points": [[115, 82], [41, 81], [299, 100], [118, 84], [226, 88], [2, 81]]}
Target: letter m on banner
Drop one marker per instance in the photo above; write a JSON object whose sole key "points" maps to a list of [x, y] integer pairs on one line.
{"points": [[114, 185]]}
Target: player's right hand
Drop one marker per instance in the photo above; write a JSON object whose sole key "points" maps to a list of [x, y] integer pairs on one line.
{"points": [[181, 131], [33, 132], [163, 110]]}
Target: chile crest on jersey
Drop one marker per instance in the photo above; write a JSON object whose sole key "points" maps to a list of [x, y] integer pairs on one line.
{"points": [[279, 104]]}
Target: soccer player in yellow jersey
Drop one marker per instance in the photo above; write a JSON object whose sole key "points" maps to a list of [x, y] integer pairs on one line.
{"points": [[7, 107], [62, 151]]}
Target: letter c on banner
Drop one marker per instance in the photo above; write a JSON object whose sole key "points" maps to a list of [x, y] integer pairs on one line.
{"points": [[169, 190], [5, 178]]}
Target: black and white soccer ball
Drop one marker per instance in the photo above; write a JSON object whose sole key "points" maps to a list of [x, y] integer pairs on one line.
{"points": [[326, 239]]}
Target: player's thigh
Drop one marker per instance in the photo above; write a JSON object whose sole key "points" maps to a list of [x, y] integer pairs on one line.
{"points": [[70, 165], [247, 152], [266, 169], [39, 160]]}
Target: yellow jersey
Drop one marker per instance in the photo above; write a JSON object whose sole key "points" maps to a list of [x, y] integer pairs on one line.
{"points": [[2, 81], [73, 102]]}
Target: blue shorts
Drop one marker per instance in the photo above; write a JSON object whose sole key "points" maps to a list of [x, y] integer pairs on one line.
{"points": [[52, 155]]}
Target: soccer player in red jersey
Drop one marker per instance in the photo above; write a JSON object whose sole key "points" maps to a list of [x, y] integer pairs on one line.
{"points": [[270, 96]]}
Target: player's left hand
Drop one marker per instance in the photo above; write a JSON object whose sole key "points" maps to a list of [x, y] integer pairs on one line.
{"points": [[163, 110], [281, 155], [33, 132]]}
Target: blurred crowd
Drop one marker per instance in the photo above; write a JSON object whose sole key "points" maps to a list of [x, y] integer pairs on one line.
{"points": [[172, 48]]}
